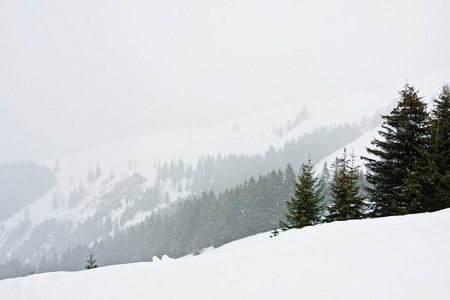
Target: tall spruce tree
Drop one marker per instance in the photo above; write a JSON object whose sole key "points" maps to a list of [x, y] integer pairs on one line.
{"points": [[427, 185], [440, 129], [304, 208], [347, 200], [325, 178], [441, 136], [403, 134]]}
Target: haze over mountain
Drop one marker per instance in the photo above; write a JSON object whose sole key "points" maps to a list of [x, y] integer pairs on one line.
{"points": [[136, 119], [100, 192], [81, 74]]}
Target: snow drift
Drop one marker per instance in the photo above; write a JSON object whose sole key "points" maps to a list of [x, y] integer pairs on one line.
{"points": [[387, 258]]}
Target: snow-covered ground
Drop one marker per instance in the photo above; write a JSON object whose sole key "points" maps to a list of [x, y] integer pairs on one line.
{"points": [[403, 257]]}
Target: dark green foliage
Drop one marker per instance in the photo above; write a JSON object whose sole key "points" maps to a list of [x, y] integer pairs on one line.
{"points": [[347, 201], [404, 134], [91, 262], [255, 206], [304, 207], [274, 233], [425, 188], [440, 135], [440, 129], [427, 185]]}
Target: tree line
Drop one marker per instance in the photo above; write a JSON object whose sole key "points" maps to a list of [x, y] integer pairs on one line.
{"points": [[409, 171], [220, 172]]}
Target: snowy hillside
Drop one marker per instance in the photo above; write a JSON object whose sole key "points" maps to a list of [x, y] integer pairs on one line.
{"points": [[80, 211], [387, 258]]}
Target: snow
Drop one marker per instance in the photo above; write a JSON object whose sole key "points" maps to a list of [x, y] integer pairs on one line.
{"points": [[387, 258], [249, 134]]}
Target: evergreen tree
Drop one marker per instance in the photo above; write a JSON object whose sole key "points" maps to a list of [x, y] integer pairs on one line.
{"points": [[98, 172], [441, 136], [347, 201], [304, 208], [335, 167], [404, 133], [172, 172], [56, 168], [325, 178], [164, 171], [180, 169], [427, 185], [289, 181], [440, 130], [189, 171], [91, 175], [91, 262]]}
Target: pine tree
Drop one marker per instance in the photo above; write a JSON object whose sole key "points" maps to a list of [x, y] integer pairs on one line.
{"points": [[404, 133], [56, 168], [179, 169], [91, 175], [98, 172], [441, 136], [304, 208], [347, 201], [288, 189], [427, 185], [91, 262], [189, 171], [440, 130], [325, 178]]}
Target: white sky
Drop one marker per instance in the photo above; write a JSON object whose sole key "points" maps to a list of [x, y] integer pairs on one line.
{"points": [[75, 74]]}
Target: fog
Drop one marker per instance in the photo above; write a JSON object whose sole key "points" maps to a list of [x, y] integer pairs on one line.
{"points": [[76, 74]]}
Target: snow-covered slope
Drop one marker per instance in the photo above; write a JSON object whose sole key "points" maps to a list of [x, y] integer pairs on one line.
{"points": [[388, 258], [250, 134]]}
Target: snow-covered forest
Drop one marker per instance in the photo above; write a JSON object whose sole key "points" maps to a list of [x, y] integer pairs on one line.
{"points": [[183, 142], [215, 207]]}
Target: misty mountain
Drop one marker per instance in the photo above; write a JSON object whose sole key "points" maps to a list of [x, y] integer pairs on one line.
{"points": [[20, 184], [88, 73], [100, 193]]}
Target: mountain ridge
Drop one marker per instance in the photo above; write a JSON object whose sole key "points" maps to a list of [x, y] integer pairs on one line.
{"points": [[250, 134]]}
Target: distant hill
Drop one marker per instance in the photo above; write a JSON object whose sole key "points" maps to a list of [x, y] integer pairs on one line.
{"points": [[20, 184]]}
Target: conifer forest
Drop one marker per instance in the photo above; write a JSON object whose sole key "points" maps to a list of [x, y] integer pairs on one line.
{"points": [[406, 170]]}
